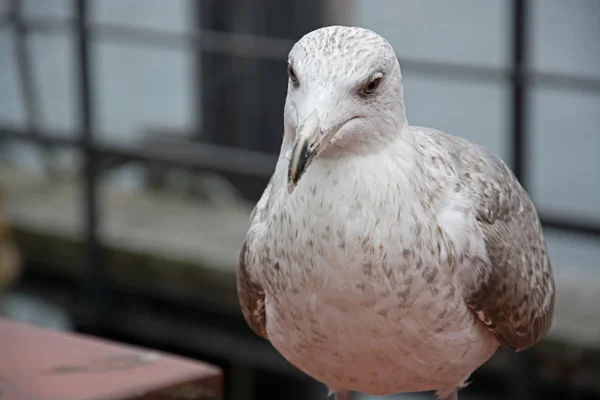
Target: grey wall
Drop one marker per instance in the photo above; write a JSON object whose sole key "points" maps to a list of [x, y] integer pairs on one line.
{"points": [[139, 87]]}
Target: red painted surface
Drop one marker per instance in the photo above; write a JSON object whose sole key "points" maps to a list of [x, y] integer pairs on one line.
{"points": [[38, 364]]}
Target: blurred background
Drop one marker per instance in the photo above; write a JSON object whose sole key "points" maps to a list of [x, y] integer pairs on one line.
{"points": [[137, 135]]}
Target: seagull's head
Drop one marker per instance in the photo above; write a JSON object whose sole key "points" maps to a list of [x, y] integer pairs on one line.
{"points": [[344, 94]]}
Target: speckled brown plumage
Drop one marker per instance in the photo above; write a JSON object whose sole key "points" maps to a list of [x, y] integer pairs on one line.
{"points": [[515, 297], [251, 297], [516, 301], [404, 256]]}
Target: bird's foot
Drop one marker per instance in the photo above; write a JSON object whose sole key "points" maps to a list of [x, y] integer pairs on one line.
{"points": [[341, 394], [451, 395]]}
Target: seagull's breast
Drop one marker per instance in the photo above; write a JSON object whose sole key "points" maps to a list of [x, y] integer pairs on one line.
{"points": [[356, 295]]}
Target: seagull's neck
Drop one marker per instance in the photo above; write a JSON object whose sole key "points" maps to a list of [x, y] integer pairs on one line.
{"points": [[347, 170], [369, 143]]}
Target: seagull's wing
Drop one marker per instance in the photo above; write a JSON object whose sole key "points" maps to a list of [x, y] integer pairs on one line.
{"points": [[250, 294], [251, 297], [516, 301]]}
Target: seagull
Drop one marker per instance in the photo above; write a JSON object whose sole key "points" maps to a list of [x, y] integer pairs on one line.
{"points": [[382, 257]]}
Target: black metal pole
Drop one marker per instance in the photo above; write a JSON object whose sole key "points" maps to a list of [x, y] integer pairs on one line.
{"points": [[94, 285], [524, 379], [216, 77], [24, 67], [519, 98], [28, 89]]}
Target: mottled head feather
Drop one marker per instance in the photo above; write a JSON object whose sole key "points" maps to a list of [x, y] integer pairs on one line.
{"points": [[332, 65], [350, 49]]}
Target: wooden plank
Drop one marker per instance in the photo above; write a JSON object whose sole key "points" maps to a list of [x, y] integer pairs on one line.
{"points": [[38, 364]]}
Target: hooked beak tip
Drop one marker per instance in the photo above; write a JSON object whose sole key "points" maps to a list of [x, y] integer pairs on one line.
{"points": [[301, 158], [291, 187]]}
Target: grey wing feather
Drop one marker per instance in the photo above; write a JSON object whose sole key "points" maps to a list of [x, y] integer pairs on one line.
{"points": [[251, 296], [516, 300]]}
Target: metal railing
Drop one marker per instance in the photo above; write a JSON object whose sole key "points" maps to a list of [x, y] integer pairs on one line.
{"points": [[232, 160], [244, 161]]}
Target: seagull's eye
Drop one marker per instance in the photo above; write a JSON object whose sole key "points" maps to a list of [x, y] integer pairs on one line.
{"points": [[292, 75], [372, 86]]}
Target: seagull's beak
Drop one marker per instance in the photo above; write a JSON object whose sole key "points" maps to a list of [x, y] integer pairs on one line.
{"points": [[310, 141]]}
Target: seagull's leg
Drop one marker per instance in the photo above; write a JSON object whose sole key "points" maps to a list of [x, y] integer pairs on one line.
{"points": [[342, 395], [451, 396]]}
